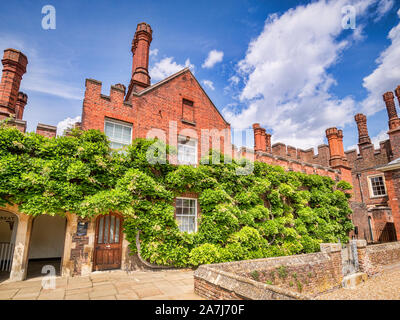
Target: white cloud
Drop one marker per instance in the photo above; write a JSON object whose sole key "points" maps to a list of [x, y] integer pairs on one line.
{"points": [[39, 77], [383, 7], [40, 83], [166, 67], [209, 84], [214, 56], [285, 71], [386, 76], [381, 136], [153, 52], [234, 80], [66, 123]]}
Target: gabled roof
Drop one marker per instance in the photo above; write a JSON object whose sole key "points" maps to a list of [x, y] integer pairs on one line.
{"points": [[171, 77]]}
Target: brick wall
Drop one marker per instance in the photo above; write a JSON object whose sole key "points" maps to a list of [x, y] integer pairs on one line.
{"points": [[380, 217], [210, 291], [291, 164], [384, 254], [159, 105], [233, 280], [393, 189]]}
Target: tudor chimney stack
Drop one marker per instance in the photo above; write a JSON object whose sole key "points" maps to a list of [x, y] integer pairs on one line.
{"points": [[336, 150], [14, 66], [20, 105], [363, 136], [394, 121], [262, 140], [141, 51]]}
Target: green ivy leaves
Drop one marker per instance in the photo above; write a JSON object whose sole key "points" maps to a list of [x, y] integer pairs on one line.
{"points": [[268, 212]]}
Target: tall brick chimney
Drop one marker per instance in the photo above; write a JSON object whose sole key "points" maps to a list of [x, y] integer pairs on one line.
{"points": [[258, 134], [363, 136], [397, 92], [262, 140], [394, 121], [141, 50], [14, 66], [337, 158], [340, 143], [334, 146], [20, 105], [268, 142]]}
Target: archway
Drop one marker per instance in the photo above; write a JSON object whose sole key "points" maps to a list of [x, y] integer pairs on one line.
{"points": [[8, 232], [46, 244]]}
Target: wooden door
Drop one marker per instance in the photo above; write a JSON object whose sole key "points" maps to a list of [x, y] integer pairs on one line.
{"points": [[108, 242]]}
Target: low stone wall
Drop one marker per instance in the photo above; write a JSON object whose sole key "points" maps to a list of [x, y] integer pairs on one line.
{"points": [[318, 272], [215, 284], [383, 254]]}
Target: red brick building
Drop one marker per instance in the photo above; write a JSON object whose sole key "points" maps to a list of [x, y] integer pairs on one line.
{"points": [[374, 173], [178, 110]]}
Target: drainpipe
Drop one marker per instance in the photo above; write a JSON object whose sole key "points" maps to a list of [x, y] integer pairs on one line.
{"points": [[359, 184]]}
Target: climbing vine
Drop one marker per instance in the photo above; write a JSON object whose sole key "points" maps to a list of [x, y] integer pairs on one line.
{"points": [[267, 213]]}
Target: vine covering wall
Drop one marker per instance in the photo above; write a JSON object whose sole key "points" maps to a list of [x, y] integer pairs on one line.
{"points": [[267, 213]]}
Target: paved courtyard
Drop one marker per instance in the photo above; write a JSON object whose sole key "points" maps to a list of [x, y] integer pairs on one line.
{"points": [[107, 285], [384, 286]]}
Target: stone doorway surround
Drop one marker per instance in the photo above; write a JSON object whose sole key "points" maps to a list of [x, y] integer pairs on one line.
{"points": [[20, 258], [79, 250]]}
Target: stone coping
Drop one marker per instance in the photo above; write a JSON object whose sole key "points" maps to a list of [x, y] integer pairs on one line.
{"points": [[48, 127], [384, 246]]}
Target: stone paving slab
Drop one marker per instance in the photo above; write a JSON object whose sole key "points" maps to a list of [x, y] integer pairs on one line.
{"points": [[107, 285]]}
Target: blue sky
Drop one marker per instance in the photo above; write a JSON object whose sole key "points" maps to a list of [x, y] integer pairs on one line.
{"points": [[286, 64]]}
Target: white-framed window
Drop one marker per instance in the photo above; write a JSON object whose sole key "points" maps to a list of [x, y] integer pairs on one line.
{"points": [[186, 214], [187, 150], [119, 133], [377, 187]]}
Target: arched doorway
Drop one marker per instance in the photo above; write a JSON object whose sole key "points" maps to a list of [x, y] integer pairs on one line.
{"points": [[8, 233], [46, 244], [108, 242]]}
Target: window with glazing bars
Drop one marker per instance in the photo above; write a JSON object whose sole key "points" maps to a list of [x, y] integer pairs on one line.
{"points": [[378, 186], [119, 134], [186, 214]]}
